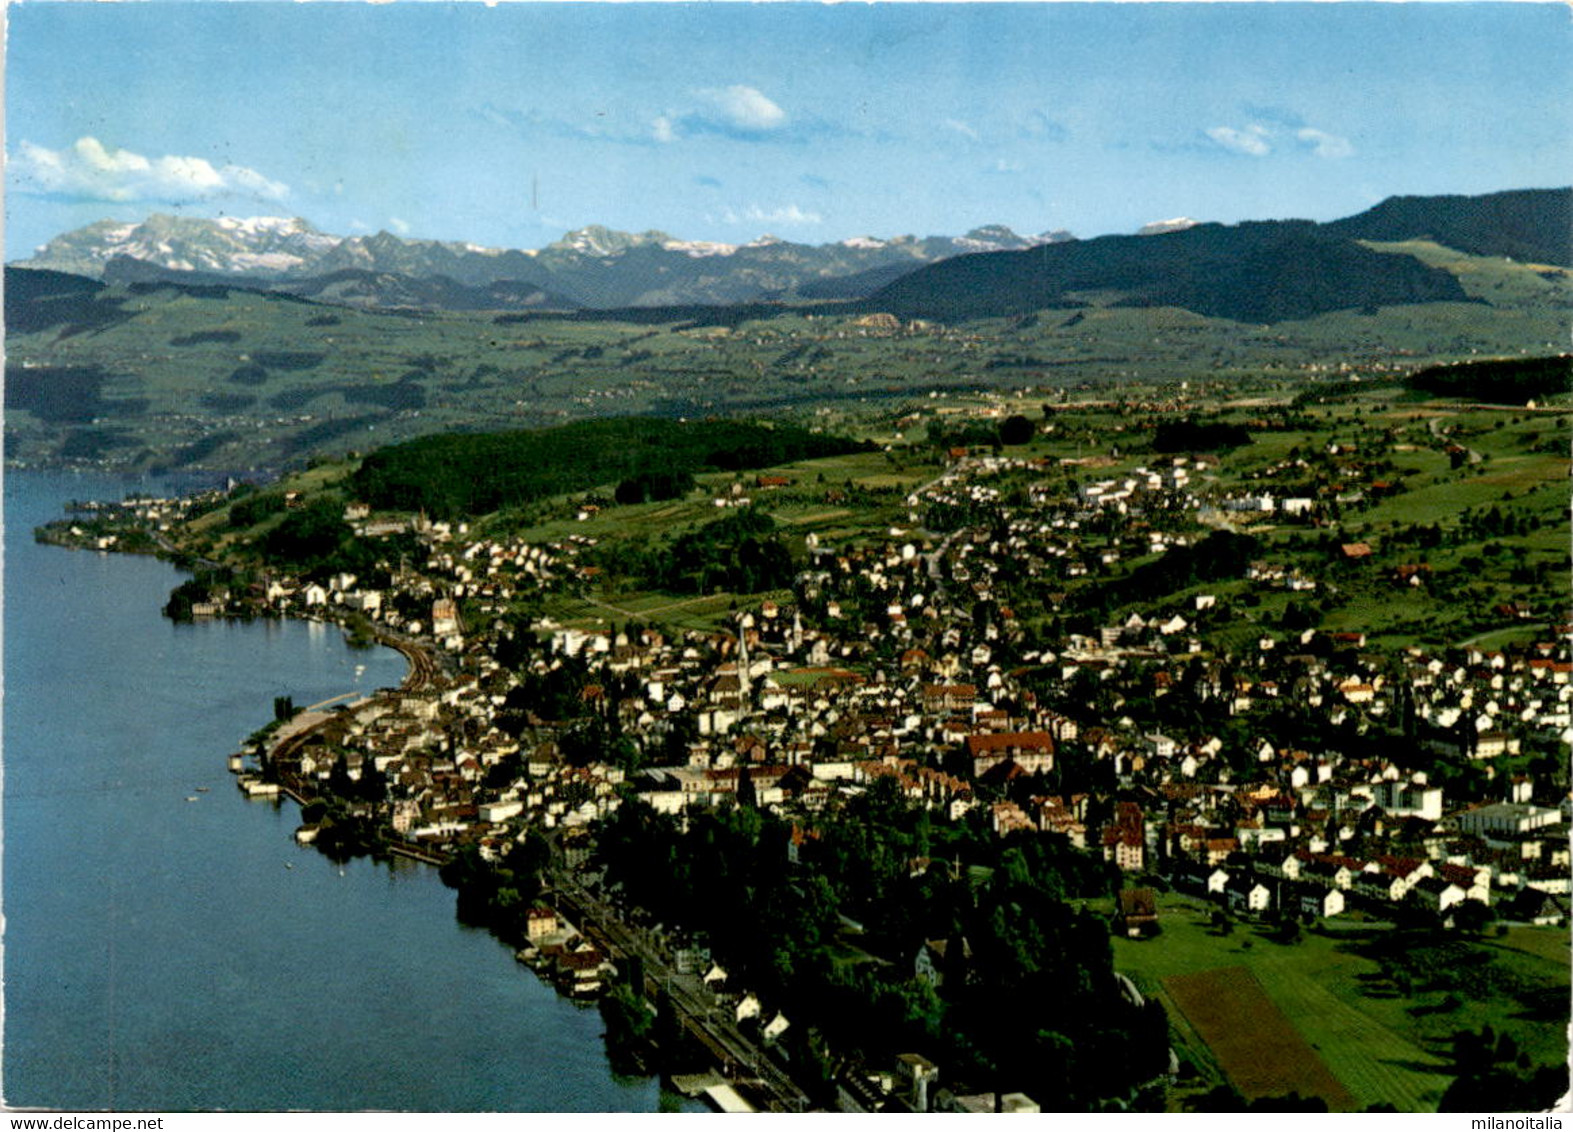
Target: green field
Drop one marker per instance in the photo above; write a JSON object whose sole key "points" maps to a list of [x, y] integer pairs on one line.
{"points": [[706, 613], [1254, 1043], [1382, 1046]]}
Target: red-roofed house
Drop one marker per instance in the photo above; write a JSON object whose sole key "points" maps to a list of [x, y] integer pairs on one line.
{"points": [[1033, 751]]}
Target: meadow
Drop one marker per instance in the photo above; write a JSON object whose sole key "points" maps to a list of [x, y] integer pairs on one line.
{"points": [[1381, 1046]]}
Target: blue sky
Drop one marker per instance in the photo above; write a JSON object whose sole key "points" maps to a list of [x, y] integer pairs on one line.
{"points": [[810, 122]]}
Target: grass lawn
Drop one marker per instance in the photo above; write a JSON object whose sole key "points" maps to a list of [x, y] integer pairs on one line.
{"points": [[703, 613], [818, 517], [1441, 500], [856, 466], [1498, 639], [1550, 944], [808, 677], [802, 506]]}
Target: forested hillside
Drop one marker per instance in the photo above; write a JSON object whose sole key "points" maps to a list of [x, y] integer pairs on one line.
{"points": [[463, 474]]}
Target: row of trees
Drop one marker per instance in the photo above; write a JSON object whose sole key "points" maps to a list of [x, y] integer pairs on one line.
{"points": [[1190, 435], [1512, 381]]}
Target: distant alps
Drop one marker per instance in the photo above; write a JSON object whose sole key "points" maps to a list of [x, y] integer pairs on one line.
{"points": [[591, 267], [1255, 271]]}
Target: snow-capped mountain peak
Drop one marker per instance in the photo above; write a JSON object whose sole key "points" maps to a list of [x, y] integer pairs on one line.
{"points": [[592, 265], [229, 244], [699, 248], [601, 242], [1000, 238], [254, 225], [1159, 227]]}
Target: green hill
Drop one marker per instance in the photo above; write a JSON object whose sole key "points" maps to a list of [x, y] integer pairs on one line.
{"points": [[461, 475], [1533, 225], [1259, 272], [153, 374]]}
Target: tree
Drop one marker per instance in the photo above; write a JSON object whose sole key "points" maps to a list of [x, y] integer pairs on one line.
{"points": [[308, 536], [747, 794], [1016, 429], [1222, 1098], [630, 1022], [1473, 916], [1493, 1076], [653, 486], [1292, 1102]]}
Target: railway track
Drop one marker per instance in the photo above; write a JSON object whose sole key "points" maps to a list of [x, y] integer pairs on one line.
{"points": [[737, 1056]]}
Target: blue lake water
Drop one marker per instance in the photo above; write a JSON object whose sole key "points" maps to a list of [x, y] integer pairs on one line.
{"points": [[166, 954]]}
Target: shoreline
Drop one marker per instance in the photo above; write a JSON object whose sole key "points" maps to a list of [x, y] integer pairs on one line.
{"points": [[727, 1055], [422, 663]]}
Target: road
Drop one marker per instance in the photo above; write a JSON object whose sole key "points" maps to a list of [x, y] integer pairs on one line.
{"points": [[172, 550], [935, 558]]}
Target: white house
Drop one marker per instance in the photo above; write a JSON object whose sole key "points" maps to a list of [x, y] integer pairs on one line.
{"points": [[1322, 902]]}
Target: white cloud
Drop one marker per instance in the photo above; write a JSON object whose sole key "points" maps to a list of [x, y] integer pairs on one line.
{"points": [[1324, 144], [402, 227], [785, 216], [960, 127], [1259, 138], [91, 171], [745, 108], [1251, 141], [739, 113]]}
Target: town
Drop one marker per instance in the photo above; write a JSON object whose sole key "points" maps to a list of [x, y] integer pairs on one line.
{"points": [[1106, 653]]}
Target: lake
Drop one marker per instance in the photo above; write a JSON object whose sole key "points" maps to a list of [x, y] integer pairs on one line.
{"points": [[168, 946]]}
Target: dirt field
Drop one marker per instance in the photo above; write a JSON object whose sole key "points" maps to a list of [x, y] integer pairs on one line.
{"points": [[1254, 1043]]}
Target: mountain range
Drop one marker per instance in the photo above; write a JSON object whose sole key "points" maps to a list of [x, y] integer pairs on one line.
{"points": [[592, 267], [1254, 271], [152, 365]]}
